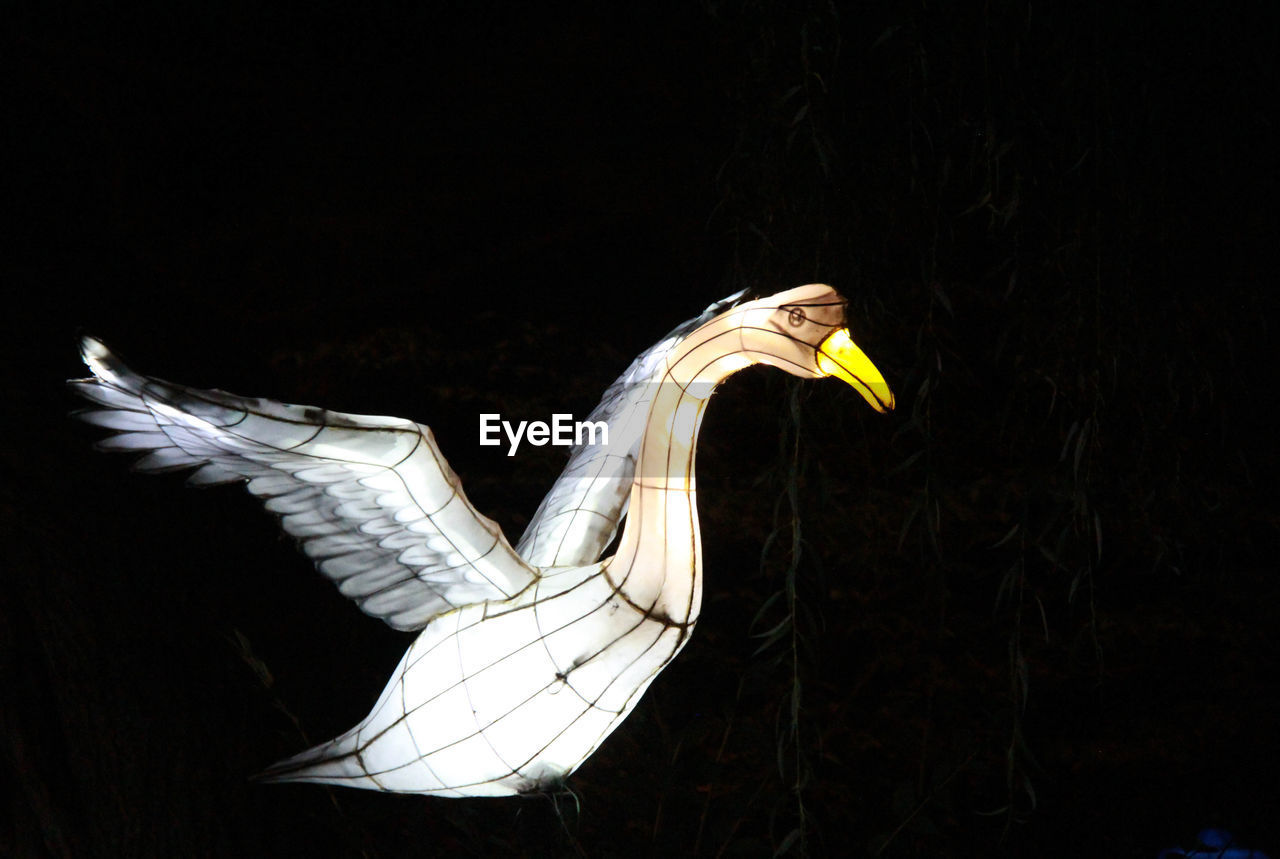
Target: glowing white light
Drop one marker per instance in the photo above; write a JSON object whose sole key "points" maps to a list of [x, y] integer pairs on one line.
{"points": [[524, 662]]}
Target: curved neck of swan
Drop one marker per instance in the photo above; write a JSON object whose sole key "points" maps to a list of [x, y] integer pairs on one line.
{"points": [[658, 565]]}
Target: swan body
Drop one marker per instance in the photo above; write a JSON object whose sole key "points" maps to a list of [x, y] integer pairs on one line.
{"points": [[527, 658]]}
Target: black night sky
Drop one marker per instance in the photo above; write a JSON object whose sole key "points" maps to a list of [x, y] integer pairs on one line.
{"points": [[1033, 613]]}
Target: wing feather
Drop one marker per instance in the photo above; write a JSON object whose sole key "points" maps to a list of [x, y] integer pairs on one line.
{"points": [[370, 499]]}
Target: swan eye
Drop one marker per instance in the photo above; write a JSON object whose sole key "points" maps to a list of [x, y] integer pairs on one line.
{"points": [[796, 317]]}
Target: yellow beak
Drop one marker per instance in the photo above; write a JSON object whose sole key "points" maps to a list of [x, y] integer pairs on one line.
{"points": [[839, 356]]}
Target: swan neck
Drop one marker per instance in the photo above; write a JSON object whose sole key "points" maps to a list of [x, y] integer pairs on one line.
{"points": [[658, 566]]}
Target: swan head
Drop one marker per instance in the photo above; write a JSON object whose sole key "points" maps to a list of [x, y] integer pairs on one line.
{"points": [[804, 332]]}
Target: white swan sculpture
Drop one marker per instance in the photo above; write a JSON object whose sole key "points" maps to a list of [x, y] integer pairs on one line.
{"points": [[527, 658]]}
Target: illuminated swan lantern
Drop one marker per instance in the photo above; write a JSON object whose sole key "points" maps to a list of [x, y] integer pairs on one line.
{"points": [[527, 658]]}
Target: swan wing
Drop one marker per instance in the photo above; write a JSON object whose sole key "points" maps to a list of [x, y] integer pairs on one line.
{"points": [[370, 499], [580, 515]]}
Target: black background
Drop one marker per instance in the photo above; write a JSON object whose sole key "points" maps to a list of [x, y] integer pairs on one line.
{"points": [[1036, 603]]}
